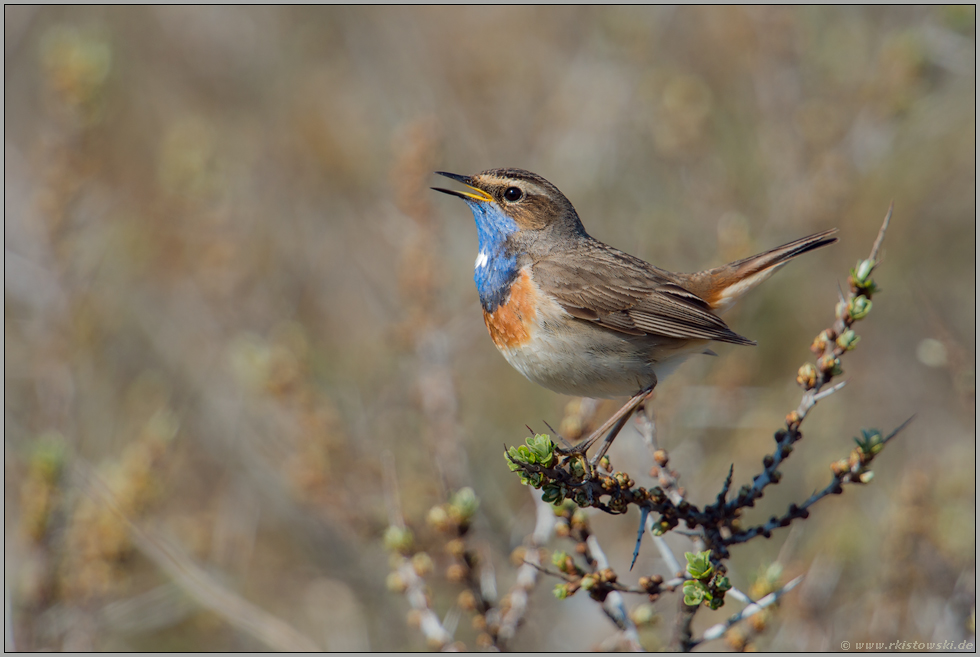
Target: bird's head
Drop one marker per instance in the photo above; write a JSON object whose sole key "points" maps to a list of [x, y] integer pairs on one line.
{"points": [[519, 216], [510, 200]]}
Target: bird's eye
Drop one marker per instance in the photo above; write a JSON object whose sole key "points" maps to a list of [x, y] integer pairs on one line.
{"points": [[513, 194]]}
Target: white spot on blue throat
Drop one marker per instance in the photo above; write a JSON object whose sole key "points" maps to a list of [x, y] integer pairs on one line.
{"points": [[495, 268]]}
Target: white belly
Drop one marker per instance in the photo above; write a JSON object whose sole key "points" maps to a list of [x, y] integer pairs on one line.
{"points": [[577, 357]]}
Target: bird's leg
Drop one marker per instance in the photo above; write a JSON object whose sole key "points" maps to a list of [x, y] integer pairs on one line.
{"points": [[624, 415], [613, 425]]}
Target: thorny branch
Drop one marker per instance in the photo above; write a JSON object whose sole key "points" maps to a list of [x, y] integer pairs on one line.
{"points": [[569, 485], [567, 477], [852, 472]]}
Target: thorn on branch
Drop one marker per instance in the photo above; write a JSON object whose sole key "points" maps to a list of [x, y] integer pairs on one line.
{"points": [[881, 232]]}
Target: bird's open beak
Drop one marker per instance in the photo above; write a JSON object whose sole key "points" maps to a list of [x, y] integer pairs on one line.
{"points": [[480, 195]]}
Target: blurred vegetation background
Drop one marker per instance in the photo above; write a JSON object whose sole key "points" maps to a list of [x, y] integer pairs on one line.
{"points": [[229, 293]]}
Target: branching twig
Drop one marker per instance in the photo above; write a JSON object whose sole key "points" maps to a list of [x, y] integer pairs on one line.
{"points": [[527, 576], [853, 471], [830, 345], [716, 631], [673, 565], [614, 605], [429, 623], [409, 580], [667, 478]]}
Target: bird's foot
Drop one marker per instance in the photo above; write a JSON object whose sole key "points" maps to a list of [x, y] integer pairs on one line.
{"points": [[576, 452], [613, 426]]}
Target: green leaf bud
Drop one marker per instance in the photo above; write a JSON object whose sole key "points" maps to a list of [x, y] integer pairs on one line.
{"points": [[859, 307]]}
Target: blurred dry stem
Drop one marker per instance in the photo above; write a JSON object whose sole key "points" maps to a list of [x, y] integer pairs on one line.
{"points": [[194, 581]]}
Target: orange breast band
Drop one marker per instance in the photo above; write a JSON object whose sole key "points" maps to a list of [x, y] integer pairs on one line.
{"points": [[509, 324]]}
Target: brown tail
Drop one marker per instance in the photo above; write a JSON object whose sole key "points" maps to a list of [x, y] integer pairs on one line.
{"points": [[723, 286]]}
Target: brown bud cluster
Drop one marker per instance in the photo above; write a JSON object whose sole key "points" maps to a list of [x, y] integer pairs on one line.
{"points": [[466, 600], [807, 376], [820, 343], [456, 573]]}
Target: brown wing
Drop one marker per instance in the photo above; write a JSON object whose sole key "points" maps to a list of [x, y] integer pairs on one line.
{"points": [[597, 283]]}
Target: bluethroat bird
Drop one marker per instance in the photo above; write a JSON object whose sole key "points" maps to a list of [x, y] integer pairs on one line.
{"points": [[582, 318]]}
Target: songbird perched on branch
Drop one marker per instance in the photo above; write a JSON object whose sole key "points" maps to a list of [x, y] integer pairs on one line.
{"points": [[583, 318]]}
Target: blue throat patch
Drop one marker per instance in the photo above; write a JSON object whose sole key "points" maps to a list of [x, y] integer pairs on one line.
{"points": [[495, 269]]}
